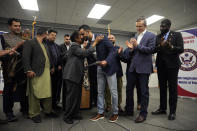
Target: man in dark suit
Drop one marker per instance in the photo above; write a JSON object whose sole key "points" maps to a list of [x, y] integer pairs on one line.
{"points": [[37, 68], [169, 45], [56, 70], [73, 75], [130, 98], [141, 49], [64, 48]]}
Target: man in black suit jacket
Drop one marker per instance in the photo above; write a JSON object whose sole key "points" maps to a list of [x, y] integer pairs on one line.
{"points": [[37, 68], [64, 48], [73, 75], [169, 45], [56, 70]]}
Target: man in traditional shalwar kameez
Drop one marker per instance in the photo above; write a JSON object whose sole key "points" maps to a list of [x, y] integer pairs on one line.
{"points": [[37, 67]]}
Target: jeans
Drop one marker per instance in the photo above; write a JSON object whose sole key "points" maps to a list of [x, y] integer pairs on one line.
{"points": [[102, 78]]}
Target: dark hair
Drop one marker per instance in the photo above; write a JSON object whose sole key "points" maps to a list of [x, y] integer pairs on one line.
{"points": [[141, 18], [10, 21], [51, 30], [167, 22], [66, 35], [85, 27], [74, 36], [41, 30]]}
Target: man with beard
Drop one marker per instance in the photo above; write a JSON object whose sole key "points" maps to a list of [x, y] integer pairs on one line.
{"points": [[92, 70], [37, 68], [106, 72], [169, 45], [64, 48], [13, 74], [56, 69]]}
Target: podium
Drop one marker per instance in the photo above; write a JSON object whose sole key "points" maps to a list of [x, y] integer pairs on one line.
{"points": [[85, 98]]}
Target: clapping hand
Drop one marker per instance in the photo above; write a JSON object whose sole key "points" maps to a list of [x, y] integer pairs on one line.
{"points": [[129, 45], [134, 42]]}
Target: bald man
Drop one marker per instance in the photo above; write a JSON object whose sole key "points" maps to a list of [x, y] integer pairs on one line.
{"points": [[119, 75], [26, 34]]}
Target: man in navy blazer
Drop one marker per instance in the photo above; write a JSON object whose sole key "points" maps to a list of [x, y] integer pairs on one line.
{"points": [[106, 72], [141, 49]]}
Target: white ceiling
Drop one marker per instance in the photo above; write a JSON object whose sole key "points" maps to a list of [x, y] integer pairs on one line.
{"points": [[123, 13]]}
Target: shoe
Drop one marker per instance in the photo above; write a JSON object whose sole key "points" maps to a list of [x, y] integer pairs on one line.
{"points": [[172, 117], [158, 112], [140, 119], [125, 113], [52, 115], [36, 119], [97, 117], [78, 117], [113, 118], [108, 108], [120, 109], [3, 122], [138, 107], [68, 120], [11, 117]]}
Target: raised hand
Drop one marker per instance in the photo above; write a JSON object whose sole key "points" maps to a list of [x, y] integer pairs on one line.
{"points": [[134, 42], [120, 50]]}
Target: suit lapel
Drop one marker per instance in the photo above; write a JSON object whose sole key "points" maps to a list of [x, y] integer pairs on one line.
{"points": [[144, 36], [40, 48], [170, 36]]}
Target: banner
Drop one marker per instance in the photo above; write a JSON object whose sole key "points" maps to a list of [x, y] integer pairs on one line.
{"points": [[187, 78]]}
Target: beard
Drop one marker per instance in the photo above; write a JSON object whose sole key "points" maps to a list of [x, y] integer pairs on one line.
{"points": [[85, 38], [164, 31]]}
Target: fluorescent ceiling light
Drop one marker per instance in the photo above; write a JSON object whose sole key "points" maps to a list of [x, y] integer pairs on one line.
{"points": [[98, 11], [154, 18], [29, 4]]}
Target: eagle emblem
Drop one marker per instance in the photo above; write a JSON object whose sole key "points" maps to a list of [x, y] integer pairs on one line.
{"points": [[188, 60]]}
